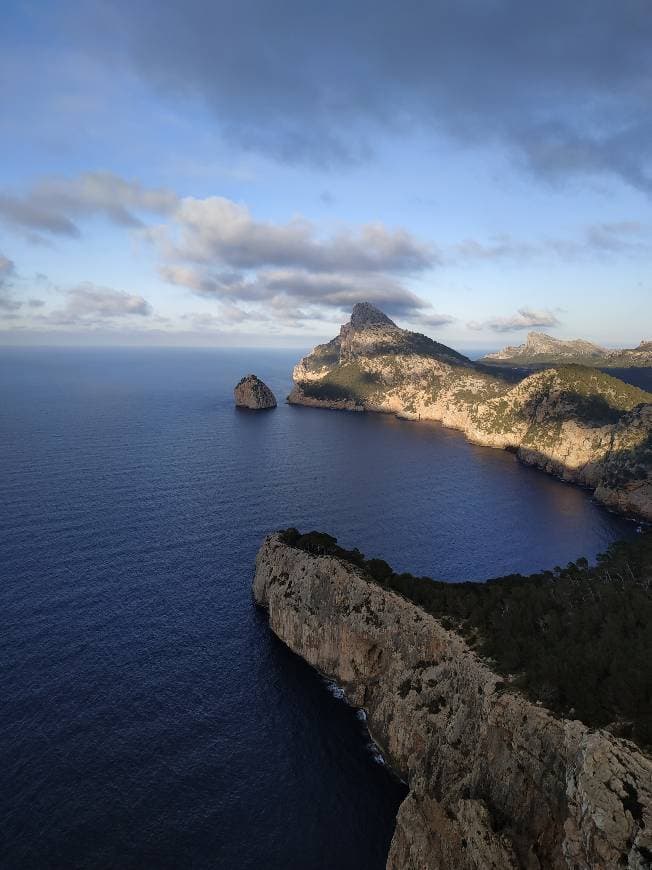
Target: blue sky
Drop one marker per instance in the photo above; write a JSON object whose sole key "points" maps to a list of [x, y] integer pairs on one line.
{"points": [[240, 174]]}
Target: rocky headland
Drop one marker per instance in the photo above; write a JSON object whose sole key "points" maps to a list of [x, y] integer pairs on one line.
{"points": [[541, 350], [573, 421], [251, 392], [496, 780]]}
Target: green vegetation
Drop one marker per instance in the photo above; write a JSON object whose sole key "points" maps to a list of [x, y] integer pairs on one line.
{"points": [[533, 362], [346, 382], [573, 392], [324, 355], [578, 638], [416, 342], [592, 385], [629, 465]]}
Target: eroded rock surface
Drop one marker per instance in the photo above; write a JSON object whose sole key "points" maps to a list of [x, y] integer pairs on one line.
{"points": [[495, 780], [252, 393]]}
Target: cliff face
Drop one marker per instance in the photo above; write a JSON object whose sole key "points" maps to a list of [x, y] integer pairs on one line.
{"points": [[495, 781], [575, 422]]}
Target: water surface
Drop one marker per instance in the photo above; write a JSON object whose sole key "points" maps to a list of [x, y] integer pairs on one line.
{"points": [[148, 716]]}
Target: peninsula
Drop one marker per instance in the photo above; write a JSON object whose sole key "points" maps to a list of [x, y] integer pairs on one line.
{"points": [[449, 677], [573, 421]]}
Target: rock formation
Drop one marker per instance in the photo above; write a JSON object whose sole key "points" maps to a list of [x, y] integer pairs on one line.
{"points": [[495, 780], [252, 393], [540, 349], [572, 421]]}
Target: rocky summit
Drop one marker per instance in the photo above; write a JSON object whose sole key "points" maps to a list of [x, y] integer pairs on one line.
{"points": [[364, 314], [573, 421], [252, 393]]}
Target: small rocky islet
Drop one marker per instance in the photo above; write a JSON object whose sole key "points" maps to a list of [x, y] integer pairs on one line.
{"points": [[250, 392]]}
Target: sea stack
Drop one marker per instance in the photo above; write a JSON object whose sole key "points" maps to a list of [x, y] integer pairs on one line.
{"points": [[252, 393]]}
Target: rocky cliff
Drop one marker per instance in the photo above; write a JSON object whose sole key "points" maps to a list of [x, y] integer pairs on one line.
{"points": [[540, 349], [572, 421], [495, 780]]}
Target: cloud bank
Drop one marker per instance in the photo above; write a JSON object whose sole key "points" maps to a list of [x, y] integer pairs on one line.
{"points": [[7, 270], [564, 86], [278, 272], [54, 205], [217, 249], [525, 318]]}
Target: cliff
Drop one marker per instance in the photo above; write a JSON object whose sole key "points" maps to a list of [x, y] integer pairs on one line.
{"points": [[573, 421], [495, 780], [540, 349]]}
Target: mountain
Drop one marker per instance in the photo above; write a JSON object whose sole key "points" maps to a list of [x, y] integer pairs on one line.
{"points": [[544, 350], [572, 421]]}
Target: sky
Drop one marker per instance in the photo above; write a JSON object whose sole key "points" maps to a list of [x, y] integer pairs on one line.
{"points": [[241, 173]]}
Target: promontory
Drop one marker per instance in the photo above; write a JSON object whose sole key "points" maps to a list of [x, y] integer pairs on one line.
{"points": [[452, 678], [573, 421]]}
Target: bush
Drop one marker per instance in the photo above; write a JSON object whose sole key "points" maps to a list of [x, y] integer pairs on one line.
{"points": [[379, 570]]}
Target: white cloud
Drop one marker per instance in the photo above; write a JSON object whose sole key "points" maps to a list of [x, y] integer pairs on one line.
{"points": [[53, 205], [88, 304], [218, 230], [525, 318], [297, 287]]}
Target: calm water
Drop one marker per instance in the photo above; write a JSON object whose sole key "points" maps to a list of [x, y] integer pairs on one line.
{"points": [[148, 716]]}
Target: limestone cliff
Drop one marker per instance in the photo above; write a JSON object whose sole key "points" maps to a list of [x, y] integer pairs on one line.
{"points": [[495, 780], [572, 421]]}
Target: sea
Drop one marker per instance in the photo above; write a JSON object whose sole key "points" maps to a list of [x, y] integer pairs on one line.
{"points": [[148, 716]]}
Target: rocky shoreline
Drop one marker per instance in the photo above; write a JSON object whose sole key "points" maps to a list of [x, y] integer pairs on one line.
{"points": [[495, 780]]}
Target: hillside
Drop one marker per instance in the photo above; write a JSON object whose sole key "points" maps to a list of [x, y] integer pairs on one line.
{"points": [[573, 421], [541, 350]]}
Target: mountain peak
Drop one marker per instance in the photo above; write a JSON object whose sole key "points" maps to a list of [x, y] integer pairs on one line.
{"points": [[366, 314]]}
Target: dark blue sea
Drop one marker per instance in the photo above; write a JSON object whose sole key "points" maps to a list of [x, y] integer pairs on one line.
{"points": [[148, 718]]}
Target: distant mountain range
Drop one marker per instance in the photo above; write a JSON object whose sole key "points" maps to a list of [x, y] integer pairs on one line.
{"points": [[542, 350], [573, 421]]}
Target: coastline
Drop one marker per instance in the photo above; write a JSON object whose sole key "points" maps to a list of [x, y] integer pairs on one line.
{"points": [[495, 780], [621, 501]]}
